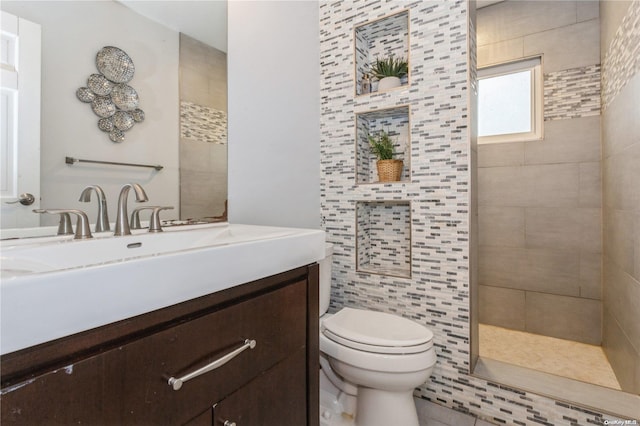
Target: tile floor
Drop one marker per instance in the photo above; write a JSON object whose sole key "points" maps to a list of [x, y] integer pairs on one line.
{"points": [[565, 358]]}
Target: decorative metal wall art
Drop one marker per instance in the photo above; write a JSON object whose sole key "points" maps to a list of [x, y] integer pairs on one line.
{"points": [[110, 96]]}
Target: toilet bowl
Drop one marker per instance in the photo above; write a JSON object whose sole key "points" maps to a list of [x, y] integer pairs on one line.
{"points": [[375, 358]]}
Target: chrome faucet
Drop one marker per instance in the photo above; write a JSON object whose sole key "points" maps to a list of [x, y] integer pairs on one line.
{"points": [[102, 223], [154, 223], [122, 225], [83, 230]]}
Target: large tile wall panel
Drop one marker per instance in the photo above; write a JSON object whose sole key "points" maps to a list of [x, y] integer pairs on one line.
{"points": [[590, 192], [438, 292], [502, 51], [621, 170], [587, 10], [621, 354], [621, 192], [591, 275], [502, 154], [566, 47], [502, 306], [564, 317], [566, 141], [506, 21], [501, 226], [564, 228]]}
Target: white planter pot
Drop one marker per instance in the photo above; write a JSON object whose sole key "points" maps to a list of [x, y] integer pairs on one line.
{"points": [[388, 83]]}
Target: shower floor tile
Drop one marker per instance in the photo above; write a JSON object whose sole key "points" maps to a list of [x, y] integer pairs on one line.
{"points": [[566, 358]]}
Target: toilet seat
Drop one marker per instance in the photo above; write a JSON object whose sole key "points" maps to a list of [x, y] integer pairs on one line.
{"points": [[377, 332]]}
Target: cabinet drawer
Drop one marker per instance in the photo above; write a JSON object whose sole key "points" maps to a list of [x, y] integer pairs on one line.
{"points": [[128, 385], [275, 398]]}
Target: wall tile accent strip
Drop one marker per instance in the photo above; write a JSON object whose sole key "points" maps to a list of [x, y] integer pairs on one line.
{"points": [[439, 191], [202, 123], [572, 93], [622, 60]]}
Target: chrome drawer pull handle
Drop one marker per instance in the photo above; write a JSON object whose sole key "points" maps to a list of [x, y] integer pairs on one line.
{"points": [[176, 384]]}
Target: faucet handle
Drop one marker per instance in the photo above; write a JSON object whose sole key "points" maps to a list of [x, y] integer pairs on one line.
{"points": [[64, 226], [134, 223], [155, 224], [82, 225], [154, 221]]}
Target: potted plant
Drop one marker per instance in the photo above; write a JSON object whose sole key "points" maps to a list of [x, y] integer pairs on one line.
{"points": [[389, 169], [389, 71]]}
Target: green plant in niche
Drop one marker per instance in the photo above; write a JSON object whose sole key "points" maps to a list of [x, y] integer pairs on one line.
{"points": [[381, 145], [389, 67]]}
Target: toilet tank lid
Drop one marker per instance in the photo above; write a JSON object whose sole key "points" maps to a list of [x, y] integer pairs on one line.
{"points": [[377, 328]]}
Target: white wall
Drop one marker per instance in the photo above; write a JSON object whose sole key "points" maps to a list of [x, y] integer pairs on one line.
{"points": [[72, 34], [274, 113]]}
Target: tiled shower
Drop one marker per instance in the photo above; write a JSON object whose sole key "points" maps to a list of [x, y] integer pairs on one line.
{"points": [[540, 201], [543, 203], [434, 203]]}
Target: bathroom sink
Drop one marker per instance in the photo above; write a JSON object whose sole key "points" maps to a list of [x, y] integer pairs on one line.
{"points": [[54, 287], [54, 254]]}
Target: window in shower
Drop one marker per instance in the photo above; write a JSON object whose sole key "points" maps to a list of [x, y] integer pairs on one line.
{"points": [[510, 102]]}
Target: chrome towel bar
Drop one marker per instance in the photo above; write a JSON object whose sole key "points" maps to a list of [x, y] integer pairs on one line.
{"points": [[71, 160]]}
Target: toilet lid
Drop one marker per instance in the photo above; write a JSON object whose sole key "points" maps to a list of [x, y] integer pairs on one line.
{"points": [[377, 332]]}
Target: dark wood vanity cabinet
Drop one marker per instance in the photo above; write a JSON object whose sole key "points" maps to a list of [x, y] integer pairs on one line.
{"points": [[119, 374]]}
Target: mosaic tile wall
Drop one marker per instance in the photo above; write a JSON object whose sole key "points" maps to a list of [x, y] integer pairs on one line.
{"points": [[572, 93], [384, 237], [622, 60], [437, 294], [202, 123], [378, 40]]}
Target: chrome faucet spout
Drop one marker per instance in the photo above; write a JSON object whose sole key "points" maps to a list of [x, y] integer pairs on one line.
{"points": [[102, 223], [122, 224]]}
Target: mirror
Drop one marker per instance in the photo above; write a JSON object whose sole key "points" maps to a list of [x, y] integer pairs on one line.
{"points": [[179, 52]]}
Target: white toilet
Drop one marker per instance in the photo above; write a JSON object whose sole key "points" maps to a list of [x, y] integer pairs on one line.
{"points": [[372, 361]]}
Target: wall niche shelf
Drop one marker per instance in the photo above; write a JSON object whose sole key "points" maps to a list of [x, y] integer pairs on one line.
{"points": [[383, 237], [395, 121], [380, 38]]}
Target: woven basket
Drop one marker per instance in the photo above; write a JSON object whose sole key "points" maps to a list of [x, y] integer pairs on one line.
{"points": [[389, 170]]}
